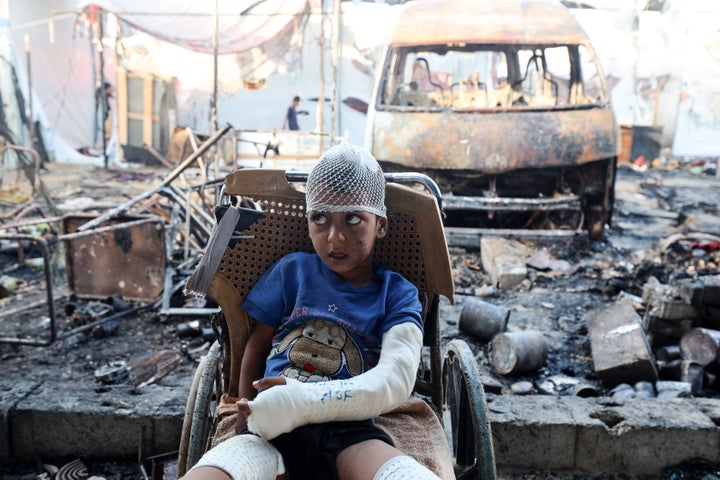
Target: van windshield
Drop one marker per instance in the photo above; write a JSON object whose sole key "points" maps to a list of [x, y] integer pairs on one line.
{"points": [[482, 77]]}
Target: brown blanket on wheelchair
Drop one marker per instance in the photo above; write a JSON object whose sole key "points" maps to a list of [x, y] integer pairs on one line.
{"points": [[414, 427]]}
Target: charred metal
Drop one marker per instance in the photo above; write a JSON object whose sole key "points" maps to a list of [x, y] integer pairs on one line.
{"points": [[499, 115]]}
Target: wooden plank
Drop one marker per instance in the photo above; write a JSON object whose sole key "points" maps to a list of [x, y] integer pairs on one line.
{"points": [[122, 109], [147, 110]]}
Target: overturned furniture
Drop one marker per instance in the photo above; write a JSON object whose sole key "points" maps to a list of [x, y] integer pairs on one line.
{"points": [[414, 247]]}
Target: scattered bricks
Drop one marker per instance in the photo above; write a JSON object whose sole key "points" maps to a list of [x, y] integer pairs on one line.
{"points": [[711, 290], [665, 302], [700, 345], [667, 315], [620, 350], [690, 290], [671, 328], [703, 293], [504, 261]]}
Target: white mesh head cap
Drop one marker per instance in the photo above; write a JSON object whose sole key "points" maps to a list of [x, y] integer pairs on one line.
{"points": [[347, 178]]}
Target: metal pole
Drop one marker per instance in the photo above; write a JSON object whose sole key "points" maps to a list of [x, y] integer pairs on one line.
{"points": [[335, 58], [321, 83], [31, 121], [213, 101], [102, 87]]}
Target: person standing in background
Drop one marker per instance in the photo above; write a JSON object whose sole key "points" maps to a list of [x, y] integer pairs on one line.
{"points": [[290, 121]]}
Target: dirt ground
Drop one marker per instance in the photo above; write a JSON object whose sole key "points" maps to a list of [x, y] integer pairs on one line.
{"points": [[650, 207]]}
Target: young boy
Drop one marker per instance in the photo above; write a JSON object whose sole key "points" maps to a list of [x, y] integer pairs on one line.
{"points": [[336, 343]]}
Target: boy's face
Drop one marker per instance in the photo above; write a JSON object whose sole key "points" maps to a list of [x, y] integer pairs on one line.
{"points": [[345, 240]]}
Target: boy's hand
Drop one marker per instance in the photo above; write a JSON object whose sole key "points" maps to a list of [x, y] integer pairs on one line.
{"points": [[267, 382], [243, 413], [244, 405]]}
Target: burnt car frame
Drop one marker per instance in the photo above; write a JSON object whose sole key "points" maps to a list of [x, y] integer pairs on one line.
{"points": [[504, 105]]}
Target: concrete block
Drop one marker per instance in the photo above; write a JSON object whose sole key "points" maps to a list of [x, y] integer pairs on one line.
{"points": [[690, 290], [10, 396], [666, 302], [674, 328], [532, 433], [109, 422], [586, 436], [620, 350], [504, 260], [644, 436], [704, 290]]}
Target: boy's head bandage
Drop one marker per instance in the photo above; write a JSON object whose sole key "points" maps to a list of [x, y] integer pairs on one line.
{"points": [[347, 178]]}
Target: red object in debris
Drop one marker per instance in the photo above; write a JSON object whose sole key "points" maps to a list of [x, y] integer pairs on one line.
{"points": [[707, 246], [639, 161]]}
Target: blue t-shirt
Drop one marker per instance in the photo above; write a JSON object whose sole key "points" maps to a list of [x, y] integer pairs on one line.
{"points": [[327, 329], [292, 119]]}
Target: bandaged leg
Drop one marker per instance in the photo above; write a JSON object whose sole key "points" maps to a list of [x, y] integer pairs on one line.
{"points": [[244, 457], [403, 468], [377, 391]]}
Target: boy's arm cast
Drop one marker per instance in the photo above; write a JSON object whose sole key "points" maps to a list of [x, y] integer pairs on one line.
{"points": [[377, 391]]}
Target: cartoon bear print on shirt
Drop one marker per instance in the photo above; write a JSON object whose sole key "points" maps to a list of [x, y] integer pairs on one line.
{"points": [[318, 350]]}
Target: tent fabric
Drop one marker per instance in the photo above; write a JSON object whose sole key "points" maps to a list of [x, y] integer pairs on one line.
{"points": [[255, 37], [242, 25]]}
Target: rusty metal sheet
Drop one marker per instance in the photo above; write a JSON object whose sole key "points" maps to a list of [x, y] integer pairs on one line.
{"points": [[125, 256], [425, 22], [497, 142]]}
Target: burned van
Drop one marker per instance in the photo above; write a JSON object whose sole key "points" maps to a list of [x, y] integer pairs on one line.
{"points": [[504, 105]]}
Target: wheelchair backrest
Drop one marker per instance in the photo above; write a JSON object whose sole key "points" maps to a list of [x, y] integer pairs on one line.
{"points": [[414, 246]]}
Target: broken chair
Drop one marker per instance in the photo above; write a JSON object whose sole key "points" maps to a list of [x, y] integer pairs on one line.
{"points": [[447, 391]]}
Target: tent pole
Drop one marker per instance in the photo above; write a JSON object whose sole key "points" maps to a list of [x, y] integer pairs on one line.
{"points": [[31, 120], [336, 54], [213, 102], [102, 87], [321, 83]]}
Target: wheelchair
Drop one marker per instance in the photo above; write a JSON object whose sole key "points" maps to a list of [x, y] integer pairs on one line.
{"points": [[445, 424]]}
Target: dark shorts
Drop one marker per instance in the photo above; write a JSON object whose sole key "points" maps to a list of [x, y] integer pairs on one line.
{"points": [[309, 452]]}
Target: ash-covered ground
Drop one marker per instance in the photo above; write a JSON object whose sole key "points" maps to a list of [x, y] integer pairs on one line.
{"points": [[651, 207]]}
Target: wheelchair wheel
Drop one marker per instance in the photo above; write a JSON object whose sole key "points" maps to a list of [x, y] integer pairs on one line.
{"points": [[200, 422], [468, 425]]}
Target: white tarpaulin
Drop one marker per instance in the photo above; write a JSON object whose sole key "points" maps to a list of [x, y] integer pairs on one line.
{"points": [[175, 38]]}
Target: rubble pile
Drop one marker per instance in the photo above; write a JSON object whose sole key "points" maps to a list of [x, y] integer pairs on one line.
{"points": [[637, 316], [681, 322]]}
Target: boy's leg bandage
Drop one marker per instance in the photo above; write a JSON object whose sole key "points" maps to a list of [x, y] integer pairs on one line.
{"points": [[283, 408], [244, 457], [403, 468]]}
